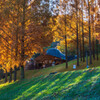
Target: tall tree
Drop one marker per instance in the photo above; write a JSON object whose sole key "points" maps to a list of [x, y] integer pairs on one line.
{"points": [[82, 5], [76, 5], [89, 22]]}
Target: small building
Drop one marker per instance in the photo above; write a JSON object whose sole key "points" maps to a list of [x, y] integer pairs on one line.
{"points": [[52, 56]]}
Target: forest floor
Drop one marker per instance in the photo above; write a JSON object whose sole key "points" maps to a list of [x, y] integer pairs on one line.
{"points": [[80, 84]]}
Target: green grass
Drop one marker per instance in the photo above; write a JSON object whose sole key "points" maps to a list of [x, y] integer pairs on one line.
{"points": [[71, 85]]}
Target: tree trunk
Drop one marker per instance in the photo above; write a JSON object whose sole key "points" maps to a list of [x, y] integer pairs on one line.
{"points": [[22, 41], [80, 51], [22, 72], [66, 51], [6, 76], [90, 50], [93, 49], [77, 48], [77, 34], [97, 49], [93, 26], [83, 35], [17, 31], [15, 73], [66, 41], [10, 78], [80, 38]]}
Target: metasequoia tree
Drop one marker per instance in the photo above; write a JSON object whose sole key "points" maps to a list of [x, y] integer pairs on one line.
{"points": [[82, 9], [63, 19], [8, 31], [77, 28], [83, 20], [92, 20], [21, 31], [97, 28], [27, 26], [64, 8], [75, 4], [90, 50]]}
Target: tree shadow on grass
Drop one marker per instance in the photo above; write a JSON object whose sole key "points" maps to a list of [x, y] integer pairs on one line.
{"points": [[71, 93], [51, 87], [55, 87], [79, 91], [17, 88]]}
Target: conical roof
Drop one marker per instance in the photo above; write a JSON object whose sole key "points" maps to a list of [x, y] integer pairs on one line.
{"points": [[56, 53]]}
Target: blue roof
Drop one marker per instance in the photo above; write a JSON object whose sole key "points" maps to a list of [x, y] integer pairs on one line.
{"points": [[56, 53]]}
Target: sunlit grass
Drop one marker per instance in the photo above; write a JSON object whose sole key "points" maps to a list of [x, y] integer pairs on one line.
{"points": [[80, 84]]}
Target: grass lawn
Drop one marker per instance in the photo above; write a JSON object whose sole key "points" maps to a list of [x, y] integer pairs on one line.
{"points": [[71, 85], [67, 84]]}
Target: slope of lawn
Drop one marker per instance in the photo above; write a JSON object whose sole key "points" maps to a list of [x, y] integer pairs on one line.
{"points": [[71, 85]]}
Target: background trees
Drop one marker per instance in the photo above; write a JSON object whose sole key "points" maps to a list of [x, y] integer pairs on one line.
{"points": [[80, 26], [25, 30], [27, 26]]}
